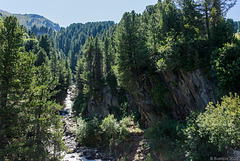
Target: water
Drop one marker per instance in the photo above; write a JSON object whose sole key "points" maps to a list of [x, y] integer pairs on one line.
{"points": [[80, 153], [67, 111]]}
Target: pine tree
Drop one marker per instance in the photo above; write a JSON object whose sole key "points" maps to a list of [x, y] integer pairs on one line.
{"points": [[79, 79], [133, 56], [69, 73], [45, 124], [16, 73], [41, 58], [54, 65], [214, 10], [108, 62], [88, 76], [45, 43], [97, 66], [193, 20], [107, 57]]}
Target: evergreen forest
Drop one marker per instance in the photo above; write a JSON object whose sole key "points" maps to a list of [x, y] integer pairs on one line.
{"points": [[161, 85]]}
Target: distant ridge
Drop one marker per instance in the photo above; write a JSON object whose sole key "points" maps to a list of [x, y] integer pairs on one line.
{"points": [[29, 20], [3, 11]]}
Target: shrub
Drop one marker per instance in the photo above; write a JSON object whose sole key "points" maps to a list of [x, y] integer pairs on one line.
{"points": [[113, 132], [197, 147], [110, 133], [81, 129], [110, 126], [226, 63], [88, 132], [209, 133], [79, 105], [221, 123], [165, 137], [127, 121]]}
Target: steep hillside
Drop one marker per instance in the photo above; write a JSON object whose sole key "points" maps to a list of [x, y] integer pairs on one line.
{"points": [[29, 20], [71, 40]]}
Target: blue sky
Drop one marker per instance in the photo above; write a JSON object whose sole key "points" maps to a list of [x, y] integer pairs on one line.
{"points": [[234, 12], [65, 12]]}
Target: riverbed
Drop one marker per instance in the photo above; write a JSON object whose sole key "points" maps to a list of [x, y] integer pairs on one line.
{"points": [[77, 153]]}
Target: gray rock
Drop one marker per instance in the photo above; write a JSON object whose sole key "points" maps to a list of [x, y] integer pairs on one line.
{"points": [[98, 105]]}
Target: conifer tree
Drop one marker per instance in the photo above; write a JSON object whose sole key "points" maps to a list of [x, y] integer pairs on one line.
{"points": [[16, 73], [41, 57], [108, 62], [69, 73], [45, 124], [193, 20], [107, 57], [45, 44], [79, 79], [88, 67], [133, 55], [97, 65]]}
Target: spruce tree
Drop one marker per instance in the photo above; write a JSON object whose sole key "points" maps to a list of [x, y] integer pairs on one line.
{"points": [[16, 73], [193, 20], [41, 57], [97, 66], [108, 62], [79, 79], [45, 140], [45, 43], [133, 55], [88, 74], [69, 73]]}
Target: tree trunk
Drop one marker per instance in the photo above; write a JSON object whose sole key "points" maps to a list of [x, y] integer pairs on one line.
{"points": [[207, 21]]}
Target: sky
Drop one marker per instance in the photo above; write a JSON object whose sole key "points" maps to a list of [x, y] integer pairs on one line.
{"points": [[234, 12], [66, 12]]}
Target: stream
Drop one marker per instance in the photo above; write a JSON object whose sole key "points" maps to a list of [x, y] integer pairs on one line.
{"points": [[69, 125]]}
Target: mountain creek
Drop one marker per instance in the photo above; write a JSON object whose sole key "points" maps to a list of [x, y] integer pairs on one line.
{"points": [[138, 147], [78, 153]]}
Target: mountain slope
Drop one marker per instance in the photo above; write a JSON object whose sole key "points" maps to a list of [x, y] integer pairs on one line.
{"points": [[29, 20]]}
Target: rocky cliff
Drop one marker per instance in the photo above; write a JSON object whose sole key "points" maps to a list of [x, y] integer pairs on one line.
{"points": [[98, 105], [186, 91]]}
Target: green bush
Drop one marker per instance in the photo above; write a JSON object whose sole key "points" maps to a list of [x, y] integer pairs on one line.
{"points": [[127, 121], [81, 129], [113, 132], [221, 122], [197, 147], [87, 132], [109, 133], [79, 105], [226, 63], [110, 126], [209, 133], [166, 137]]}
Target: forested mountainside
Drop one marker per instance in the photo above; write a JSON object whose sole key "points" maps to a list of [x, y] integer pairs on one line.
{"points": [[30, 20], [71, 40], [161, 85]]}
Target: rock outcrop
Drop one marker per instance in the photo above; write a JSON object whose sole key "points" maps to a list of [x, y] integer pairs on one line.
{"points": [[98, 105], [187, 91]]}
